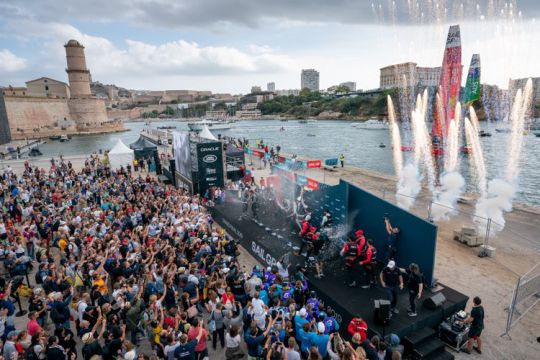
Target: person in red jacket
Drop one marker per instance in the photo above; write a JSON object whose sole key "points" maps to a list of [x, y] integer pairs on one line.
{"points": [[360, 238], [350, 252], [368, 262], [358, 326], [305, 232]]}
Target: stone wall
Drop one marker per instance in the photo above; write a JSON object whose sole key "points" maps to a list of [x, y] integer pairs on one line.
{"points": [[33, 117], [116, 114], [5, 134], [88, 113]]}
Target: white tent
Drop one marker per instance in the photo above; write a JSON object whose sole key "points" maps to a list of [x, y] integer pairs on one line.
{"points": [[119, 155], [206, 134]]}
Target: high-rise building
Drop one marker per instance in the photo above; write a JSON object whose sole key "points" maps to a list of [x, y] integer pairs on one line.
{"points": [[309, 79], [351, 85], [255, 89], [271, 86]]}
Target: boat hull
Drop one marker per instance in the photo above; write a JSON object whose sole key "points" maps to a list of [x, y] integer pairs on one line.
{"points": [[211, 126]]}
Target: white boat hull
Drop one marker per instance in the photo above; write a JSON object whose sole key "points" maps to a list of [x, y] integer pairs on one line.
{"points": [[211, 126]]}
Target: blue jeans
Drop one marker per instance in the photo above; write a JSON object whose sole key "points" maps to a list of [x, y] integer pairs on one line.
{"points": [[392, 294]]}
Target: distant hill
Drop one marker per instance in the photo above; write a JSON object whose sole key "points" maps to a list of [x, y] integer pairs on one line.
{"points": [[101, 90]]}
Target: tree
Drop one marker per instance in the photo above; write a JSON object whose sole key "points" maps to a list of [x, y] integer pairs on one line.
{"points": [[342, 89]]}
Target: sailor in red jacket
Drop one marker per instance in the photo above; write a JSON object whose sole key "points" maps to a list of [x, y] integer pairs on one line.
{"points": [[368, 254], [360, 238], [351, 252], [306, 233], [358, 326]]}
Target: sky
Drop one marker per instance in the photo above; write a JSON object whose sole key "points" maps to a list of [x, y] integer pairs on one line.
{"points": [[231, 45]]}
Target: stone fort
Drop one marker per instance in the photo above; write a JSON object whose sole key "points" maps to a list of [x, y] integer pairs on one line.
{"points": [[48, 107]]}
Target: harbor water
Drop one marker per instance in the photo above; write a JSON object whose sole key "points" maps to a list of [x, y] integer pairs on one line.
{"points": [[327, 139]]}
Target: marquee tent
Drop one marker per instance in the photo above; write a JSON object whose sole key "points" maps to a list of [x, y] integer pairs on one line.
{"points": [[206, 134], [144, 148], [120, 155]]}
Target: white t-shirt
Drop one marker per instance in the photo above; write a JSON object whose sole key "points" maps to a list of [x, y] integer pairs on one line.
{"points": [[81, 308], [293, 355], [169, 350], [258, 308], [232, 342]]}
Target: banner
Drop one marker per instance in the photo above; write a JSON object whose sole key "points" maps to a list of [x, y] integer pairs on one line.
{"points": [[258, 153], [301, 180], [182, 153], [210, 161], [313, 164], [312, 184]]}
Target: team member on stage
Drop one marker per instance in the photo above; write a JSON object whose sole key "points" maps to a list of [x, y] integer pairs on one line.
{"points": [[415, 285], [326, 219], [392, 282], [392, 240], [476, 319], [368, 254], [351, 252]]}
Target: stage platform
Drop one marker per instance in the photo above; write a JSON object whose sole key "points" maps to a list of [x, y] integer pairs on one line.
{"points": [[274, 235]]}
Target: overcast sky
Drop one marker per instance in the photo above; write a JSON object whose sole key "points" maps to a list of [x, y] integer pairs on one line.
{"points": [[230, 45]]}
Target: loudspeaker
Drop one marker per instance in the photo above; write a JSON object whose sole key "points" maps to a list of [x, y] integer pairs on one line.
{"points": [[382, 311], [434, 301]]}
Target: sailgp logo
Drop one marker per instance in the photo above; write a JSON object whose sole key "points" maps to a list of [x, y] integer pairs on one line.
{"points": [[210, 158]]}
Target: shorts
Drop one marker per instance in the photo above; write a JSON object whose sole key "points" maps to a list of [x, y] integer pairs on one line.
{"points": [[474, 332]]}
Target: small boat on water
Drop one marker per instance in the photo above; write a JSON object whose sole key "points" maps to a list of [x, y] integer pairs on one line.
{"points": [[503, 130], [537, 134], [64, 138], [55, 137], [303, 121], [483, 133], [34, 152], [311, 135], [382, 145], [283, 120], [170, 127]]}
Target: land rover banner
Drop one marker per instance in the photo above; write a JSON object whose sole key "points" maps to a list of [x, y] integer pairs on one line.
{"points": [[210, 161]]}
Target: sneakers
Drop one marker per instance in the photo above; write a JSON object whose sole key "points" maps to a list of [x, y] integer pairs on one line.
{"points": [[412, 314], [318, 276], [353, 284], [365, 286], [477, 350], [395, 311]]}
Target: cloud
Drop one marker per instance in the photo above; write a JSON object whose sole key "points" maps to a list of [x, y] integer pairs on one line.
{"points": [[220, 14], [133, 59], [10, 63]]}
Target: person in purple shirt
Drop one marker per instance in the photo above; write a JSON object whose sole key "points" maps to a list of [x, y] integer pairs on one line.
{"points": [[330, 323], [314, 302]]}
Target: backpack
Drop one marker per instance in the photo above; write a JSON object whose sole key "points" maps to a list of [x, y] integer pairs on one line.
{"points": [[30, 354], [56, 316]]}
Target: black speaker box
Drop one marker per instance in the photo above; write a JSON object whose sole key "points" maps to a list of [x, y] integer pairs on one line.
{"points": [[382, 311], [434, 301]]}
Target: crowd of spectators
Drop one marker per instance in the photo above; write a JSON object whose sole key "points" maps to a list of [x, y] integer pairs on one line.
{"points": [[124, 267]]}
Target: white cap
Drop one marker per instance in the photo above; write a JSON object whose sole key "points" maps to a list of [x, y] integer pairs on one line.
{"points": [[391, 264], [320, 328], [303, 312]]}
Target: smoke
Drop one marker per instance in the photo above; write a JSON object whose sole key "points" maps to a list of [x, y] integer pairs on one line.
{"points": [[501, 192], [452, 185], [408, 186], [498, 200]]}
